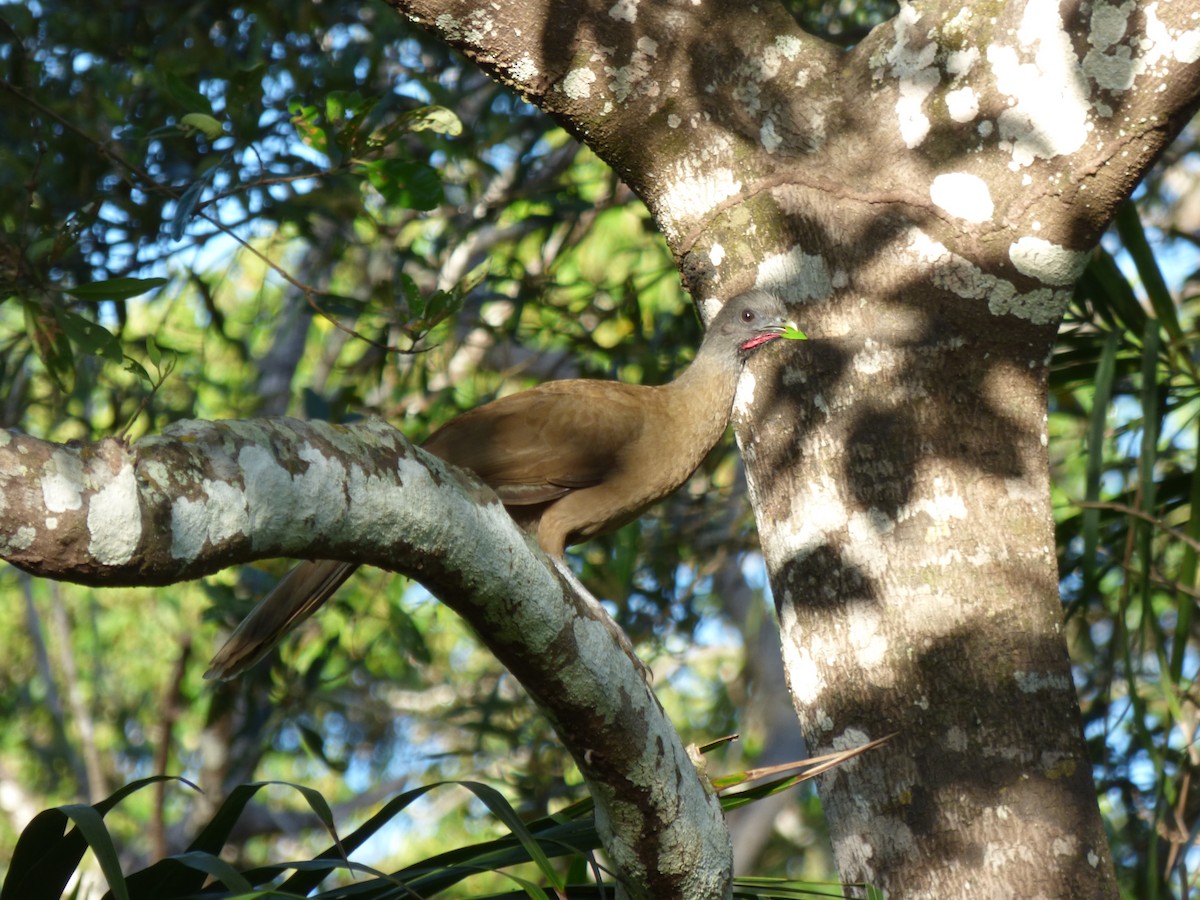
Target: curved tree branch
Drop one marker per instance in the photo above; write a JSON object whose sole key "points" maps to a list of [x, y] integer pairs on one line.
{"points": [[204, 496]]}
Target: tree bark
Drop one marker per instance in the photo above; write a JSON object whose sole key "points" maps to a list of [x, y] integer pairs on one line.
{"points": [[925, 201], [205, 496]]}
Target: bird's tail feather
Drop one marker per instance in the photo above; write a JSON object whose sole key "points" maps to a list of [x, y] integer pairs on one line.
{"points": [[301, 593]]}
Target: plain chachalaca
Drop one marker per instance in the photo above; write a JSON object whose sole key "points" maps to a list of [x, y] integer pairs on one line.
{"points": [[569, 459]]}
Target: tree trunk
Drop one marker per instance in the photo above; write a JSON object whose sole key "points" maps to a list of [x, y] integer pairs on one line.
{"points": [[903, 506]]}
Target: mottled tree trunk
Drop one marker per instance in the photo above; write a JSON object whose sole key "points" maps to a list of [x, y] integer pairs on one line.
{"points": [[903, 502]]}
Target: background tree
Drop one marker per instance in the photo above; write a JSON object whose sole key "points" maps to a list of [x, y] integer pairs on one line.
{"points": [[903, 511]]}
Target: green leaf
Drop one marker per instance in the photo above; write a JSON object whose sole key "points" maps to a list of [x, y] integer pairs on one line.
{"points": [[136, 369], [90, 337], [115, 288], [47, 855], [1097, 429], [406, 183], [1133, 236], [306, 120], [1111, 295], [792, 333], [185, 209], [90, 823], [209, 864], [51, 344], [185, 95], [437, 119], [208, 126]]}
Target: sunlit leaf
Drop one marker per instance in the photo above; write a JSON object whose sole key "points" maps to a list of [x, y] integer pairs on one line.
{"points": [[433, 118], [208, 126]]}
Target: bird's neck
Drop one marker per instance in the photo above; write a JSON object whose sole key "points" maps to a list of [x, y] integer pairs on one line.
{"points": [[702, 399]]}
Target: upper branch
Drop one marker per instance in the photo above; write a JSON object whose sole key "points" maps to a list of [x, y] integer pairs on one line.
{"points": [[1006, 135], [671, 95], [204, 496]]}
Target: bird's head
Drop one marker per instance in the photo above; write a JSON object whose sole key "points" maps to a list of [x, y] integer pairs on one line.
{"points": [[747, 322]]}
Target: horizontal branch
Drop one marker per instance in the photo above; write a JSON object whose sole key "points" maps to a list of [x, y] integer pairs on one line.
{"points": [[203, 496]]}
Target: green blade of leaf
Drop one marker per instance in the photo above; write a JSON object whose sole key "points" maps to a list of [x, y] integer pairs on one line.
{"points": [[115, 288], [1133, 236], [1097, 428], [91, 825]]}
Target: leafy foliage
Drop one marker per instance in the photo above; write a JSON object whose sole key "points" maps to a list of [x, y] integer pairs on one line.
{"points": [[1125, 426], [47, 857]]}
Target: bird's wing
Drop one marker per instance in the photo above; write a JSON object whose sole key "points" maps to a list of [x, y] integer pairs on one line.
{"points": [[540, 444]]}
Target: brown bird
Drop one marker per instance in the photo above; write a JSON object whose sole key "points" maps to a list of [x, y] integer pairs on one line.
{"points": [[569, 459]]}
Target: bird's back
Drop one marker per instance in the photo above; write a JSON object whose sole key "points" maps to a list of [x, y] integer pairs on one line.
{"points": [[540, 444]]}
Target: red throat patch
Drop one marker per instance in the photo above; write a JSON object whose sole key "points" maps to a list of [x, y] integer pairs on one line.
{"points": [[758, 340]]}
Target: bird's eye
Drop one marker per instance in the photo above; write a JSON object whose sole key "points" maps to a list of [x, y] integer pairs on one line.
{"points": [[747, 316]]}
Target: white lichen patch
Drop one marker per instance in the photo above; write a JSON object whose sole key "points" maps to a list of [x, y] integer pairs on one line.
{"points": [[1031, 682], [695, 193], [766, 66], [477, 26], [961, 62], [312, 500], [114, 522], [1113, 62], [911, 60], [849, 740], [1065, 846], [1048, 263], [578, 83], [219, 515], [1045, 86], [874, 358], [1108, 23], [768, 136], [956, 739], [1176, 44], [716, 254], [866, 531], [963, 195], [959, 276], [63, 482], [910, 108], [525, 70], [625, 80], [796, 275], [624, 11], [788, 45], [21, 539], [943, 505], [743, 397], [962, 104], [816, 516]]}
